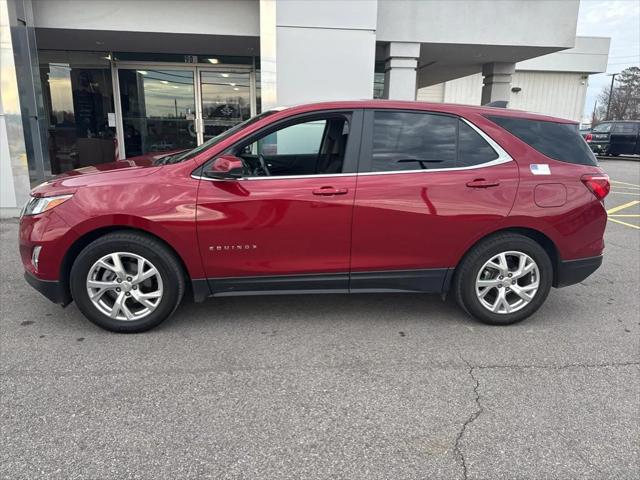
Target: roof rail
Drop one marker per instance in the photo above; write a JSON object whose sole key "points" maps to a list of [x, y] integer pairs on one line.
{"points": [[497, 104]]}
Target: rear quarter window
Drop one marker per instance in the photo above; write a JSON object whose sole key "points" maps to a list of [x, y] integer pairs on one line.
{"points": [[560, 141]]}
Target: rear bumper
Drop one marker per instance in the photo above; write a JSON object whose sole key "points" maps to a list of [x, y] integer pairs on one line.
{"points": [[52, 289], [599, 147], [570, 272]]}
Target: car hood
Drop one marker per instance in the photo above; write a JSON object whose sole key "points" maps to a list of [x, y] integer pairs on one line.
{"points": [[127, 169]]}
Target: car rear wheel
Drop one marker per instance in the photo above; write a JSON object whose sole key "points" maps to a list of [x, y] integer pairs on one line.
{"points": [[504, 279], [127, 282]]}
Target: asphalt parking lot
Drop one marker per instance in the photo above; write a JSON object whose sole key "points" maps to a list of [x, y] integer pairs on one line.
{"points": [[354, 387]]}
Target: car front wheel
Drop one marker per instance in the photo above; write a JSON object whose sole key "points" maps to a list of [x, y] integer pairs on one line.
{"points": [[126, 282], [504, 279]]}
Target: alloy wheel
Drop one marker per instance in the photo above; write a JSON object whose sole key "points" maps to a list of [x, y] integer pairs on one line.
{"points": [[124, 286], [507, 282]]}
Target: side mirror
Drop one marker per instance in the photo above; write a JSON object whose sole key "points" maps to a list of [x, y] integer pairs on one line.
{"points": [[226, 167]]}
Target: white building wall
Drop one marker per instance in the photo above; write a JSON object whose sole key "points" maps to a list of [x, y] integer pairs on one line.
{"points": [[554, 84], [7, 190], [14, 173], [552, 93], [559, 94], [466, 90], [219, 17], [313, 51], [433, 93], [549, 23]]}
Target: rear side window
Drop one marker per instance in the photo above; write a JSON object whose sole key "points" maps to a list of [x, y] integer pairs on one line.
{"points": [[423, 141], [560, 141], [625, 128]]}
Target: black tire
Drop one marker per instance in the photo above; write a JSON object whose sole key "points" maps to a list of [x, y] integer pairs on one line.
{"points": [[154, 251], [464, 283]]}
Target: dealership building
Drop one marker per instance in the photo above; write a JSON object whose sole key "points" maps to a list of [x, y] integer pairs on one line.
{"points": [[88, 81]]}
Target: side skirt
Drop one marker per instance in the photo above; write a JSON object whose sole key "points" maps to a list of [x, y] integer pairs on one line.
{"points": [[426, 281], [435, 280]]}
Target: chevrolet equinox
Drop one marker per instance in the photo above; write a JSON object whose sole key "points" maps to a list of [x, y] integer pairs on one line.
{"points": [[490, 206]]}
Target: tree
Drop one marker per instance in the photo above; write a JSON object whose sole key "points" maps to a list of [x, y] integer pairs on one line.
{"points": [[625, 98]]}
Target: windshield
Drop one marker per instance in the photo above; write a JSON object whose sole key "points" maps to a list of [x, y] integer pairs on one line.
{"points": [[602, 128], [181, 156]]}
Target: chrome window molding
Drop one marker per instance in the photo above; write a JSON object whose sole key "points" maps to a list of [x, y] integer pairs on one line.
{"points": [[503, 157]]}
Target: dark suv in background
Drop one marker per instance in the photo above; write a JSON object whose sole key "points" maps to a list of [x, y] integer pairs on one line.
{"points": [[621, 137]]}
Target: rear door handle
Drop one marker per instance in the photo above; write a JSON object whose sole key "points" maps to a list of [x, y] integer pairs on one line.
{"points": [[326, 191], [483, 183]]}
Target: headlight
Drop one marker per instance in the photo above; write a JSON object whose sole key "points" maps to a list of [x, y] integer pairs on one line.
{"points": [[41, 204]]}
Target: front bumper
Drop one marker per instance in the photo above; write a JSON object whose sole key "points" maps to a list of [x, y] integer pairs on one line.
{"points": [[52, 289], [570, 272]]}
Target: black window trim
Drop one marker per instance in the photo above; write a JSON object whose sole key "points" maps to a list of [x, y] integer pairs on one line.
{"points": [[352, 154], [366, 151]]}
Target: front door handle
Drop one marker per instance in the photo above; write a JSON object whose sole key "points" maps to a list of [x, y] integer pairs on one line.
{"points": [[326, 191], [483, 183]]}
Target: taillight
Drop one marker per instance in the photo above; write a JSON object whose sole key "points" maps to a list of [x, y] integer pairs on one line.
{"points": [[598, 184], [589, 137]]}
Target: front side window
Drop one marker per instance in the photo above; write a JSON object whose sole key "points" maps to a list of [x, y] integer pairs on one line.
{"points": [[309, 147], [424, 141]]}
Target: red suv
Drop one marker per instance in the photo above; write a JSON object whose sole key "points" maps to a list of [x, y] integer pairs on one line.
{"points": [[491, 206]]}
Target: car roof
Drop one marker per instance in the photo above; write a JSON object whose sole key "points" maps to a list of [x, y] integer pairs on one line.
{"points": [[451, 108]]}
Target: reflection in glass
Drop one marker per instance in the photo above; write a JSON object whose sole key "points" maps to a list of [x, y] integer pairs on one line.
{"points": [[158, 110], [226, 100], [78, 97]]}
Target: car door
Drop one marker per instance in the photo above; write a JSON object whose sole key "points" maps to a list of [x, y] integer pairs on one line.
{"points": [[623, 138], [285, 231], [428, 185]]}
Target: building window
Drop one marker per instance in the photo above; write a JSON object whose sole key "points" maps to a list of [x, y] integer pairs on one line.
{"points": [[378, 80], [78, 96]]}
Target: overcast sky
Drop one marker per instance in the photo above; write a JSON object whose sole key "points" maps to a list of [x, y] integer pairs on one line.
{"points": [[620, 20]]}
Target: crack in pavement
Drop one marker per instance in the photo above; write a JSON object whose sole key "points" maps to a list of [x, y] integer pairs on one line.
{"points": [[559, 367], [474, 415], [480, 409]]}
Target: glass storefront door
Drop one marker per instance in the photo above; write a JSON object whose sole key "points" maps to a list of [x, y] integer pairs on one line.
{"points": [[226, 99], [166, 108], [158, 110]]}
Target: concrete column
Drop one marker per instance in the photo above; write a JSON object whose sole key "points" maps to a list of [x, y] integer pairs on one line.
{"points": [[14, 167], [401, 63], [316, 51], [497, 81]]}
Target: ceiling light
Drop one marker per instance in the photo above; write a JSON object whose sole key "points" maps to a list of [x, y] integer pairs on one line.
{"points": [[142, 72], [236, 88], [213, 60], [225, 75], [164, 82], [232, 84]]}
